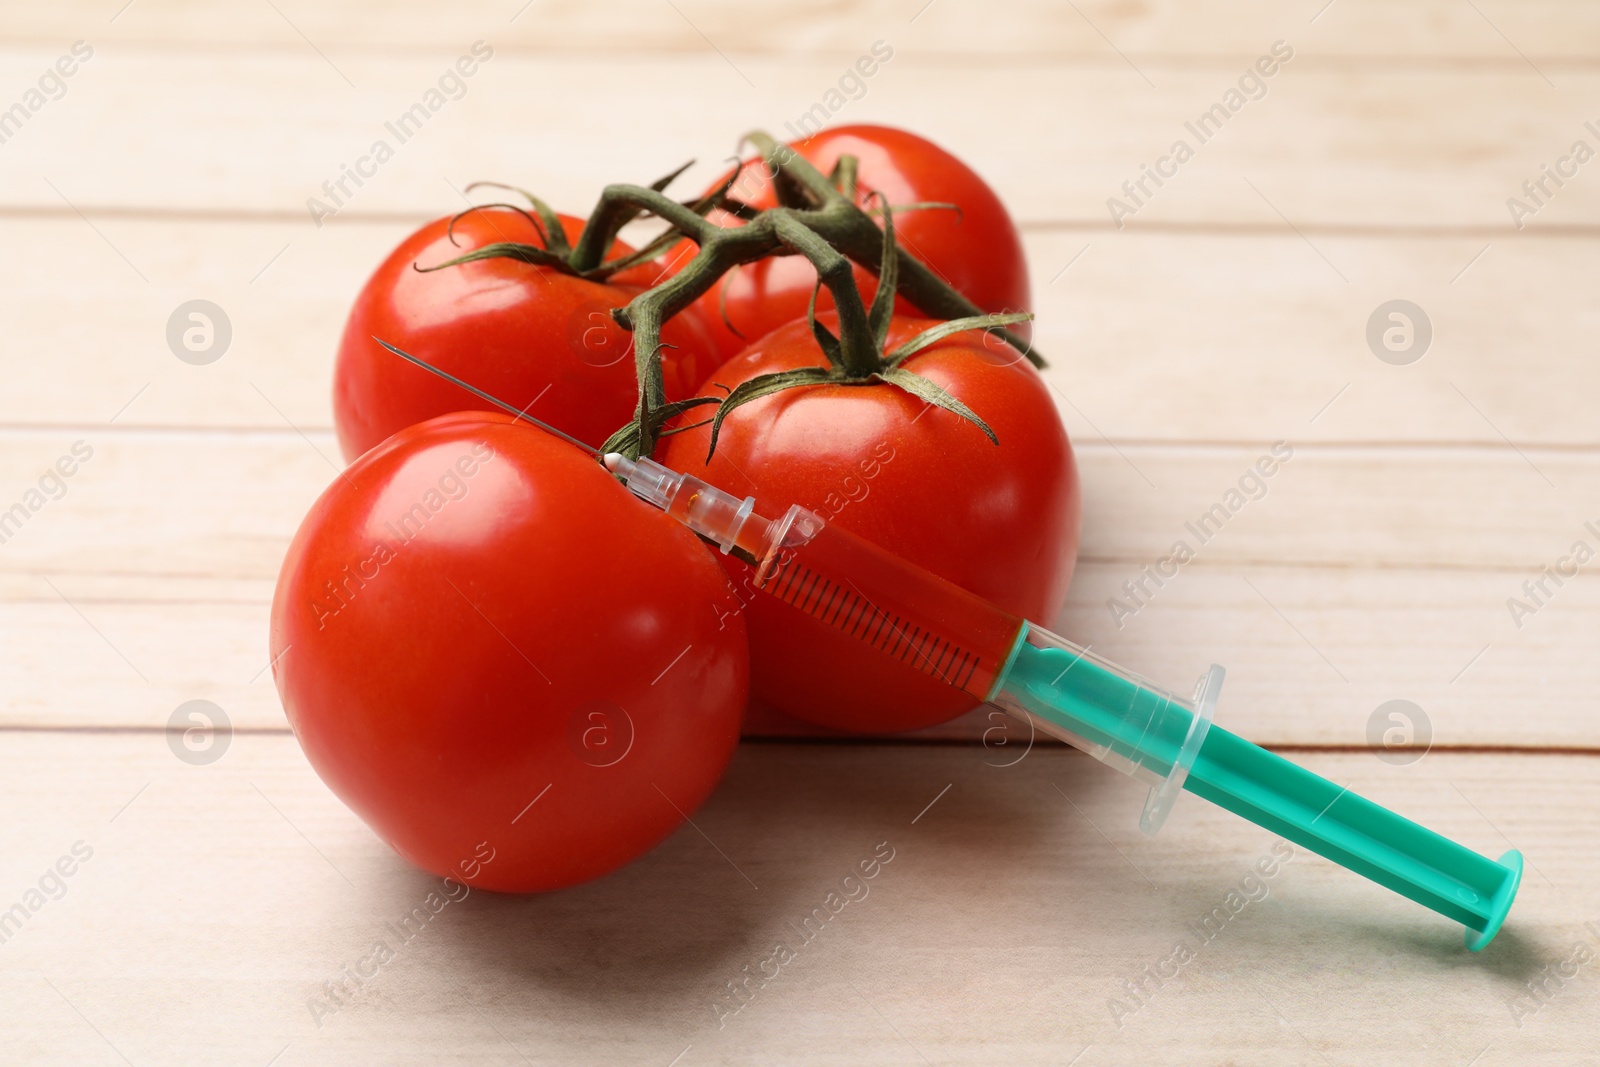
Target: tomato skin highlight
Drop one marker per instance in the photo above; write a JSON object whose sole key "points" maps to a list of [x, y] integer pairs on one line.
{"points": [[977, 251], [1001, 522], [526, 334], [450, 615]]}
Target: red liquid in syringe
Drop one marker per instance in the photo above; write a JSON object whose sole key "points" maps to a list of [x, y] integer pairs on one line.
{"points": [[907, 613]]}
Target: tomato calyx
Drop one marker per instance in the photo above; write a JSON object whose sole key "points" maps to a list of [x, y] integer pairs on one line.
{"points": [[818, 216], [628, 441], [843, 179], [812, 206], [556, 252], [857, 355]]}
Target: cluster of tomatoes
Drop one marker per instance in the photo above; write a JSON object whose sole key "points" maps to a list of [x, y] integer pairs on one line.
{"points": [[480, 636]]}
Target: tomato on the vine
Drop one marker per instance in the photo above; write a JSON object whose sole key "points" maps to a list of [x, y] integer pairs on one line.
{"points": [[975, 248], [486, 645], [1000, 521], [537, 338]]}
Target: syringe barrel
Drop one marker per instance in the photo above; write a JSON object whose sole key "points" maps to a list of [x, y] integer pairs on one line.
{"points": [[1120, 718], [908, 613], [919, 618]]}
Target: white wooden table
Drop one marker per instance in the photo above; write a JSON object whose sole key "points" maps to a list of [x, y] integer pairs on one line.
{"points": [[211, 910]]}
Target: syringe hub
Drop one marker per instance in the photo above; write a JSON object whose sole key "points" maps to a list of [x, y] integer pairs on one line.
{"points": [[718, 516]]}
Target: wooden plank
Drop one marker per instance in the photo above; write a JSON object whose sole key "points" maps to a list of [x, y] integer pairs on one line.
{"points": [[224, 505], [1152, 336], [1547, 30], [147, 583], [220, 900], [1212, 337], [1329, 146], [246, 886], [1311, 653]]}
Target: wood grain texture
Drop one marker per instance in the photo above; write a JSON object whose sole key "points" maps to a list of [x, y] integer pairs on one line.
{"points": [[1311, 652], [1204, 337], [1409, 148], [1344, 586], [1024, 916], [1328, 506], [1435, 640], [1547, 30], [1347, 584], [222, 898]]}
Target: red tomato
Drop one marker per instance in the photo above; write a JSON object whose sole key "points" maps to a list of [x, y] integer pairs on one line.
{"points": [[538, 339], [1001, 521], [978, 251], [485, 644]]}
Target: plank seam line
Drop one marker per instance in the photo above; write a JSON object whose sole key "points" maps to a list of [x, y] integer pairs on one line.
{"points": [[1197, 228], [1405, 62], [953, 742], [1182, 447]]}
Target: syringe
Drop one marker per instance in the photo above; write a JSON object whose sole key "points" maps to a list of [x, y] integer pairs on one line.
{"points": [[1119, 718]]}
